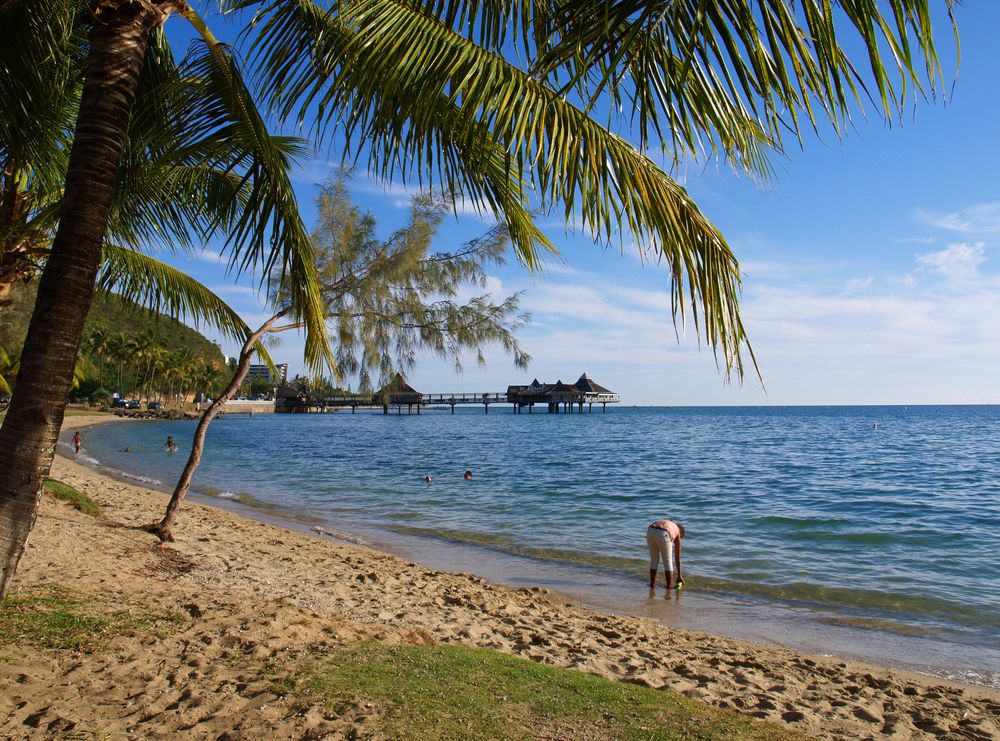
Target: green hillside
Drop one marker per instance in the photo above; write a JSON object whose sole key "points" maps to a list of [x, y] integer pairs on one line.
{"points": [[126, 348]]}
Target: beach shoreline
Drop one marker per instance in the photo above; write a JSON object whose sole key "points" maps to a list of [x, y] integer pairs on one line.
{"points": [[239, 569], [806, 620]]}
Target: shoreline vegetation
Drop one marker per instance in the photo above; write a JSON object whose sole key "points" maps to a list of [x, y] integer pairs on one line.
{"points": [[246, 628]]}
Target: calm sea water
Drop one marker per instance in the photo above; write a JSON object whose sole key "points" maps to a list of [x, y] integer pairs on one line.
{"points": [[851, 530]]}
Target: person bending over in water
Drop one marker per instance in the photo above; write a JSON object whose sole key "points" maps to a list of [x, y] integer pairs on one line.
{"points": [[664, 540]]}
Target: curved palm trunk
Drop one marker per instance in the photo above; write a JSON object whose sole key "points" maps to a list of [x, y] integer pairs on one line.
{"points": [[118, 42], [165, 527]]}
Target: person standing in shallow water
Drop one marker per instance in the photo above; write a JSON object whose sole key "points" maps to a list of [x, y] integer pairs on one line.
{"points": [[664, 540], [77, 442]]}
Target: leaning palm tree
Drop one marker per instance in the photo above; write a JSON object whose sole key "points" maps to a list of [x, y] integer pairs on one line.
{"points": [[480, 97], [198, 162]]}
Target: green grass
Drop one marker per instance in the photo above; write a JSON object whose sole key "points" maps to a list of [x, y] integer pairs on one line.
{"points": [[50, 617], [66, 493], [85, 412], [453, 692]]}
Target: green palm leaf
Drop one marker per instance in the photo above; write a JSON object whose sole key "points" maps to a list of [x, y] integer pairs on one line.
{"points": [[161, 287], [267, 232], [424, 98], [682, 63]]}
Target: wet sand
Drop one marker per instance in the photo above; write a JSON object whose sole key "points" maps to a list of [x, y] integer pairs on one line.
{"points": [[272, 593]]}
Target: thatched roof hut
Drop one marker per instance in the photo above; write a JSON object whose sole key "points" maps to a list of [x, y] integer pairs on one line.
{"points": [[398, 391]]}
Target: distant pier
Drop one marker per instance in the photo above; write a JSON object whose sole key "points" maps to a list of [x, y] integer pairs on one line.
{"points": [[557, 398]]}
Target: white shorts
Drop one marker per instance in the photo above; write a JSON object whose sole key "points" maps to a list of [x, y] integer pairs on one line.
{"points": [[660, 546]]}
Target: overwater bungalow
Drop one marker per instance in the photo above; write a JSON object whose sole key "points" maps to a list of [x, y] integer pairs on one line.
{"points": [[289, 399], [397, 393], [555, 395]]}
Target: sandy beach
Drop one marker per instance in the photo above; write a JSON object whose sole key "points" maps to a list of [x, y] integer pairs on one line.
{"points": [[242, 585]]}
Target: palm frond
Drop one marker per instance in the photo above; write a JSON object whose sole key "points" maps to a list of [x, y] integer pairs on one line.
{"points": [[426, 101], [41, 46], [787, 63], [267, 232], [163, 288]]}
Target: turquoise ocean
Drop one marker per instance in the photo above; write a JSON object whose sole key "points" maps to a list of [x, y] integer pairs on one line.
{"points": [[865, 532]]}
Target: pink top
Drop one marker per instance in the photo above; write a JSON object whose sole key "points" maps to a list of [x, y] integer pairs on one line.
{"points": [[670, 526]]}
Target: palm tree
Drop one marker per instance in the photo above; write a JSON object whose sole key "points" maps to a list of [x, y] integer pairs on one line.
{"points": [[154, 363], [201, 158], [436, 90], [97, 344]]}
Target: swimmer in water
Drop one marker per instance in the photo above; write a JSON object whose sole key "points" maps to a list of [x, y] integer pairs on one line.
{"points": [[428, 479], [468, 475], [171, 445], [125, 450]]}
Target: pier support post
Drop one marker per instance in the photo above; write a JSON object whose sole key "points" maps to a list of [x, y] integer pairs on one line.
{"points": [[452, 408]]}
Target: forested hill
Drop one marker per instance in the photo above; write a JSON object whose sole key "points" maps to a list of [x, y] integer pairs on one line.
{"points": [[112, 315], [126, 349]]}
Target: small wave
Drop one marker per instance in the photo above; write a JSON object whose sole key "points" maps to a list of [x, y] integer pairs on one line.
{"points": [[874, 623], [869, 538], [971, 676], [228, 495], [87, 460], [799, 521], [143, 479], [507, 545], [890, 605]]}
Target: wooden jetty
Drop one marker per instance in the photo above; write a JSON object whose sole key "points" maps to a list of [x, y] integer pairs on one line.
{"points": [[556, 397]]}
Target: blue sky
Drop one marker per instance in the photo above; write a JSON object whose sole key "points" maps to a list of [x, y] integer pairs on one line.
{"points": [[870, 267]]}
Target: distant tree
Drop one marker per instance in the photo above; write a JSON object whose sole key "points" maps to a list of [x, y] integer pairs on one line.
{"points": [[260, 386], [386, 301], [296, 381]]}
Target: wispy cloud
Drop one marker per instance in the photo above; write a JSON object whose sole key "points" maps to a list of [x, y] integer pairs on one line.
{"points": [[207, 255], [983, 218], [230, 289], [957, 262]]}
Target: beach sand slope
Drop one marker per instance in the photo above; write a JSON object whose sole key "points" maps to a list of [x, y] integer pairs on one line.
{"points": [[240, 588]]}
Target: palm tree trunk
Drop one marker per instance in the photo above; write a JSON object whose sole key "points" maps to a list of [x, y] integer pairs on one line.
{"points": [[165, 527], [118, 40]]}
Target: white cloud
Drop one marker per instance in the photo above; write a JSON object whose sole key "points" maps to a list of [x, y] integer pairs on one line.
{"points": [[983, 218], [958, 262], [926, 336], [859, 284], [494, 287], [229, 289], [207, 255]]}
